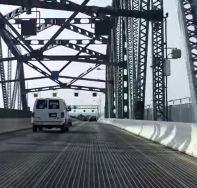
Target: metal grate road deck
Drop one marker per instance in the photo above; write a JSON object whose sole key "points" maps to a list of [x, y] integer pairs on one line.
{"points": [[91, 156]]}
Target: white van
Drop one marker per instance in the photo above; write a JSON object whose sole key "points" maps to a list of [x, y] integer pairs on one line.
{"points": [[50, 113]]}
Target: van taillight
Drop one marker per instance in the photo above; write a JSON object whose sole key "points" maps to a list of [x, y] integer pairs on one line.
{"points": [[62, 115], [33, 114]]}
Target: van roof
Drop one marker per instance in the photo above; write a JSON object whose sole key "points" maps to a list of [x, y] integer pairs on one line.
{"points": [[57, 98]]}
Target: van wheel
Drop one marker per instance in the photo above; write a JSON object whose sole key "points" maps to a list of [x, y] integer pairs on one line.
{"points": [[34, 129], [40, 128], [63, 130], [67, 129]]}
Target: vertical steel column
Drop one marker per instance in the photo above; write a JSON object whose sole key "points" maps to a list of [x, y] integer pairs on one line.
{"points": [[19, 71], [119, 70], [19, 98], [118, 57], [130, 63], [135, 38], [142, 62], [125, 74], [120, 73], [188, 18], [159, 102], [9, 77], [109, 96], [2, 74]]}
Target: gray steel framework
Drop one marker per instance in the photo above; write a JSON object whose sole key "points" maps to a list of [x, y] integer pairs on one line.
{"points": [[159, 100], [2, 75], [16, 42], [142, 62], [134, 75], [134, 57], [189, 19], [126, 58], [9, 77]]}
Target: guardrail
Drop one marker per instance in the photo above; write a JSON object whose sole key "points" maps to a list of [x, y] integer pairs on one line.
{"points": [[13, 120], [179, 136]]}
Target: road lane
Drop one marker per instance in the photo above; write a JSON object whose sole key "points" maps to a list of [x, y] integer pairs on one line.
{"points": [[91, 155]]}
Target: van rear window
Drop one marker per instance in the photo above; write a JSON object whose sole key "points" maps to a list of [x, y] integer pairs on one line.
{"points": [[54, 104], [41, 104]]}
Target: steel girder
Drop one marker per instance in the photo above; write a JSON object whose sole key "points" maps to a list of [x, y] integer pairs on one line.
{"points": [[109, 96], [133, 39], [43, 77], [2, 74], [57, 21], [119, 71], [9, 77], [159, 100], [65, 42], [188, 18], [130, 64], [120, 74], [120, 52], [74, 46], [75, 87], [142, 63], [132, 25], [20, 72], [55, 5]]}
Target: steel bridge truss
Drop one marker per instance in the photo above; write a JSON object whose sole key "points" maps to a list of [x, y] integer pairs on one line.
{"points": [[131, 40], [15, 41], [188, 16], [118, 62]]}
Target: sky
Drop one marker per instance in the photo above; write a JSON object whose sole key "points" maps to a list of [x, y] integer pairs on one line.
{"points": [[178, 67]]}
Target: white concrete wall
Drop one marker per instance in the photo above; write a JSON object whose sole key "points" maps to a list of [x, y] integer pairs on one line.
{"points": [[179, 136], [13, 124]]}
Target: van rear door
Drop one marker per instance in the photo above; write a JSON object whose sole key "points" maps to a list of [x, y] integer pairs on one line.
{"points": [[54, 110], [40, 112]]}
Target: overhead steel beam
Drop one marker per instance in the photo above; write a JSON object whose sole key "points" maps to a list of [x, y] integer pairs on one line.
{"points": [[64, 42], [22, 42], [17, 54], [82, 58], [75, 87], [15, 13], [44, 77], [150, 15], [83, 74], [79, 48], [67, 23], [56, 21]]}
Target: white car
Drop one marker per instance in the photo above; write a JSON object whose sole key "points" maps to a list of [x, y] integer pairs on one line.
{"points": [[50, 113]]}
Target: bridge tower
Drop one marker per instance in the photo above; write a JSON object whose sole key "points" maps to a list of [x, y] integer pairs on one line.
{"points": [[130, 82]]}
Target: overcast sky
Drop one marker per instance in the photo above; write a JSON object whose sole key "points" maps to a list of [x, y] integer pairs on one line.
{"points": [[178, 67]]}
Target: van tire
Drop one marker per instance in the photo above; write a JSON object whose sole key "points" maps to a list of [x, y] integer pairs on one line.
{"points": [[63, 130], [40, 128], [67, 129], [34, 129]]}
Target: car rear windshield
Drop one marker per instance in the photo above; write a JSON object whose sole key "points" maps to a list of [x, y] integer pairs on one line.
{"points": [[41, 104], [54, 104]]}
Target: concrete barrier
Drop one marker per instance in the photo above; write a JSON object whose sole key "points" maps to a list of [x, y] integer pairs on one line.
{"points": [[13, 120], [179, 136], [14, 124]]}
